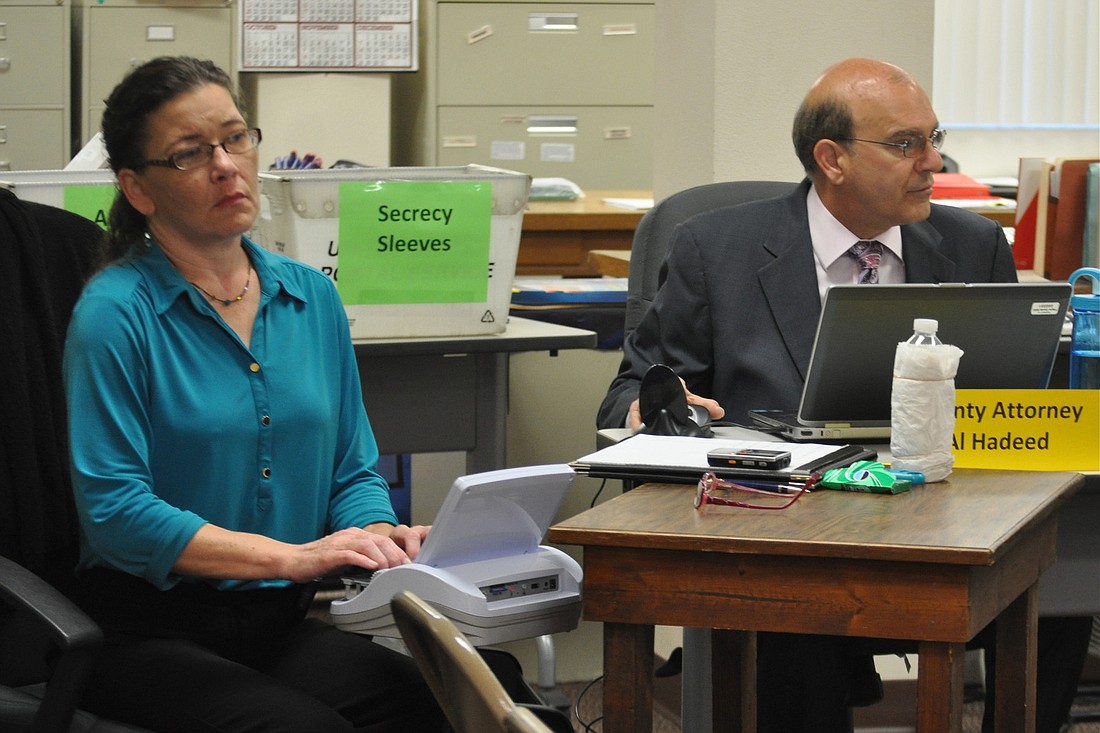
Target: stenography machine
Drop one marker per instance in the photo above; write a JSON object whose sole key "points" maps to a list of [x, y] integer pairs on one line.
{"points": [[482, 565]]}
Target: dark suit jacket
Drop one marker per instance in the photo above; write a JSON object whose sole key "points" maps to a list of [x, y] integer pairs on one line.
{"points": [[738, 306]]}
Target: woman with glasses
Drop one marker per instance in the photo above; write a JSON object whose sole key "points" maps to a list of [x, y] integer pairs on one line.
{"points": [[222, 458]]}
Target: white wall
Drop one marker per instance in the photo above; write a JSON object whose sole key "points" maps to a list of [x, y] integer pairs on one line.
{"points": [[731, 74], [333, 116]]}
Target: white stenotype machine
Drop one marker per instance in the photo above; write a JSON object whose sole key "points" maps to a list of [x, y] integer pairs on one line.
{"points": [[482, 565]]}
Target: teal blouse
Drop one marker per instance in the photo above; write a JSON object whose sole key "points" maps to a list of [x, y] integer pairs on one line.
{"points": [[174, 422]]}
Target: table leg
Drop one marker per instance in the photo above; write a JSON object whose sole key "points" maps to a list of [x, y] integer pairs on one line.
{"points": [[627, 678], [940, 679], [1017, 658], [491, 424], [733, 675]]}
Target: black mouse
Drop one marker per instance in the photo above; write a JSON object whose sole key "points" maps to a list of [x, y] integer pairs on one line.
{"points": [[664, 406]]}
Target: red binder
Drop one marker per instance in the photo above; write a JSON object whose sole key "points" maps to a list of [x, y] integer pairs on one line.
{"points": [[1065, 232]]}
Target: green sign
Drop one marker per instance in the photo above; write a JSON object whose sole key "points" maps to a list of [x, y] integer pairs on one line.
{"points": [[403, 242], [91, 202]]}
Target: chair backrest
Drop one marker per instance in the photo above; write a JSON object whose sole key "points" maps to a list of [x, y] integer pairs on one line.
{"points": [[470, 695], [654, 232], [46, 255]]}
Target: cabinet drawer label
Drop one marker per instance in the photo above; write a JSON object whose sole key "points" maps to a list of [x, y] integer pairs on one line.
{"points": [[160, 33]]}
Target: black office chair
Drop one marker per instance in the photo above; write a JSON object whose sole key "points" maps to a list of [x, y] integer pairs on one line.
{"points": [[654, 232], [949, 164], [46, 643]]}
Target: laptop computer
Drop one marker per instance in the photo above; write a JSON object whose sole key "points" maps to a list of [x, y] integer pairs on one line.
{"points": [[1008, 332]]}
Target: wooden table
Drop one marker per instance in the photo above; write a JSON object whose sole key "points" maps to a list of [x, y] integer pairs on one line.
{"points": [[558, 235], [934, 565]]}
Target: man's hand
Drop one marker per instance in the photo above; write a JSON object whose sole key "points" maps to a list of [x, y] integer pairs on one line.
{"points": [[717, 412]]}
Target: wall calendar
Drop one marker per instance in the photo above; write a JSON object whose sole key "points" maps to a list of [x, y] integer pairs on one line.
{"points": [[328, 35]]}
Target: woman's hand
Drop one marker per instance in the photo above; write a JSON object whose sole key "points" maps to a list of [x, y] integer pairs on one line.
{"points": [[407, 538], [373, 547], [215, 552]]}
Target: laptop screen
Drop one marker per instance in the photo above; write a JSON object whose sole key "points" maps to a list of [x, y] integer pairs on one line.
{"points": [[1008, 332]]}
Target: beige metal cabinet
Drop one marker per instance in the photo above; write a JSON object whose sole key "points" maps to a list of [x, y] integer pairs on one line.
{"points": [[34, 84], [549, 89], [117, 35]]}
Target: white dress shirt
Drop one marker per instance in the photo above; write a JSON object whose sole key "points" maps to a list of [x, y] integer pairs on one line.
{"points": [[831, 241]]}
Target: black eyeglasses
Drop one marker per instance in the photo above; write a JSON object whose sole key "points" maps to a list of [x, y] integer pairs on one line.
{"points": [[197, 156], [778, 496], [911, 147]]}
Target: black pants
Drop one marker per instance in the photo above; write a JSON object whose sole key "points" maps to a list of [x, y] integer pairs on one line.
{"points": [[803, 681], [197, 660], [1063, 648]]}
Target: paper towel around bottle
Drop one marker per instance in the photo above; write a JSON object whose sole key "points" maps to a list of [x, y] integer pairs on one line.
{"points": [[922, 408]]}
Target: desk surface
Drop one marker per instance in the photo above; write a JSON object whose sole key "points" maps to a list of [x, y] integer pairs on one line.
{"points": [[917, 526], [521, 334], [450, 393], [591, 212], [558, 235]]}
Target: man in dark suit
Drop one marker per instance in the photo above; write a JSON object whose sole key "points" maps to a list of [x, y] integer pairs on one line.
{"points": [[736, 314], [740, 297]]}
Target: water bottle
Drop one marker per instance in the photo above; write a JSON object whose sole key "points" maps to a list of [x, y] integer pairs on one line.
{"points": [[1084, 352], [922, 403], [924, 332]]}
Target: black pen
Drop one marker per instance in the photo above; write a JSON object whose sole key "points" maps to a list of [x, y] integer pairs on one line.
{"points": [[834, 458]]}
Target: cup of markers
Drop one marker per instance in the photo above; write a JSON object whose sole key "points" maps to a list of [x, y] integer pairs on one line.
{"points": [[293, 162]]}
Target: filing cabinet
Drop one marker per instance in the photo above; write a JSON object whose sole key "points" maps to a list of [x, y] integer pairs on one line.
{"points": [[114, 36], [549, 89], [34, 84]]}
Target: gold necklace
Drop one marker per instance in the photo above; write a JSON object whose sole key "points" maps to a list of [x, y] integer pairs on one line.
{"points": [[224, 301]]}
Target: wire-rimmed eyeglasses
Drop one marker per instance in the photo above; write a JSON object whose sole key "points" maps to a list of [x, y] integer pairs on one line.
{"points": [[913, 146], [775, 496], [196, 156]]}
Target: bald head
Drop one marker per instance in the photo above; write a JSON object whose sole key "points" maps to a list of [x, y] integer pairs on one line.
{"points": [[827, 110]]}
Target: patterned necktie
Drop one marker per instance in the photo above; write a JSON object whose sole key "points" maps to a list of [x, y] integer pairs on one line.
{"points": [[869, 255]]}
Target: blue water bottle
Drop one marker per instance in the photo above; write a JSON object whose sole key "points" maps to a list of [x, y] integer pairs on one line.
{"points": [[1084, 353]]}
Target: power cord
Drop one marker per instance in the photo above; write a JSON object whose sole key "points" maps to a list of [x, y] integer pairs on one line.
{"points": [[598, 492], [587, 725]]}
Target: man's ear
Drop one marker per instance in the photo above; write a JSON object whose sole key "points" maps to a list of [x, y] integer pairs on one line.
{"points": [[134, 191], [831, 159]]}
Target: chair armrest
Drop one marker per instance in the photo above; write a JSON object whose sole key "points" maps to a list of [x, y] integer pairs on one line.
{"points": [[76, 636]]}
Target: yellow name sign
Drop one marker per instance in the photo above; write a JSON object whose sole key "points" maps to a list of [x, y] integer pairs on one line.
{"points": [[1028, 429]]}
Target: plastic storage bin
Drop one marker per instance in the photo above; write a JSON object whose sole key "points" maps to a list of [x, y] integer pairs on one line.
{"points": [[88, 193], [301, 218]]}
